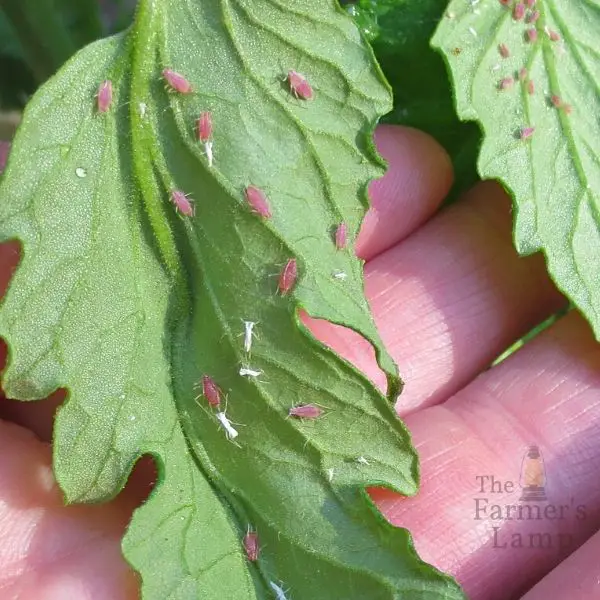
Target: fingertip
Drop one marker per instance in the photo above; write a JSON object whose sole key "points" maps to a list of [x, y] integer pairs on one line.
{"points": [[418, 178]]}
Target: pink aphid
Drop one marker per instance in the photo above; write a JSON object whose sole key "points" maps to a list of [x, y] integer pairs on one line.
{"points": [[306, 411], [287, 277], [182, 203], [251, 545], [177, 82], [523, 74], [258, 202], [526, 132], [532, 35], [556, 101], [530, 3], [553, 35], [504, 51], [341, 236], [299, 86], [533, 16], [105, 96], [518, 11], [530, 87], [506, 83], [567, 108], [204, 127], [211, 391]]}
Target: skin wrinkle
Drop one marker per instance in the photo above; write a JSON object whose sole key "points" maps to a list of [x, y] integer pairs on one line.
{"points": [[512, 406]]}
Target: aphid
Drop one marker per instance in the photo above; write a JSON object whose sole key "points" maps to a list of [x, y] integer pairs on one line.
{"points": [[522, 74], [504, 51], [518, 11], [182, 203], [279, 591], [533, 16], [456, 51], [248, 372], [248, 327], [526, 132], [553, 35], [105, 96], [230, 432], [204, 130], [506, 83], [530, 3], [567, 108], [306, 411], [287, 277], [299, 86], [209, 153], [258, 202], [204, 127], [556, 101], [210, 390], [532, 35], [505, 2], [251, 545], [176, 81], [341, 236], [530, 87]]}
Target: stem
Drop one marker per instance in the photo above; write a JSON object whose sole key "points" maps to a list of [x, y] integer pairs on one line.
{"points": [[46, 41]]}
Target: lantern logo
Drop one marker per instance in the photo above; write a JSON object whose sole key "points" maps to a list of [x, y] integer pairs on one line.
{"points": [[533, 476]]}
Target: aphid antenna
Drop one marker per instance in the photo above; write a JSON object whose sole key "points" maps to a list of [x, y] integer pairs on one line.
{"points": [[315, 403], [199, 403]]}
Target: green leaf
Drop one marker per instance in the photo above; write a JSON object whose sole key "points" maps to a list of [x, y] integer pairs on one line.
{"points": [[554, 175], [126, 304], [399, 31]]}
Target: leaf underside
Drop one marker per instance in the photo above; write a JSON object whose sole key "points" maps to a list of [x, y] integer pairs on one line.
{"points": [[126, 304], [554, 174]]}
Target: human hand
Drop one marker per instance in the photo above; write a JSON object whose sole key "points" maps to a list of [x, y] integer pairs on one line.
{"points": [[448, 294]]}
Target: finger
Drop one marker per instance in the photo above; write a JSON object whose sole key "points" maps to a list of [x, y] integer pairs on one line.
{"points": [[418, 178], [474, 460], [449, 299], [576, 578], [49, 550]]}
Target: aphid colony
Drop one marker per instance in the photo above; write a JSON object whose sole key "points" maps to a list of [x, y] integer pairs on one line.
{"points": [[256, 198], [525, 11], [258, 203]]}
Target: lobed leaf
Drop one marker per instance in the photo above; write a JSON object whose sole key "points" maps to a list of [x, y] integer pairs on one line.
{"points": [[538, 109], [127, 304], [399, 32]]}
